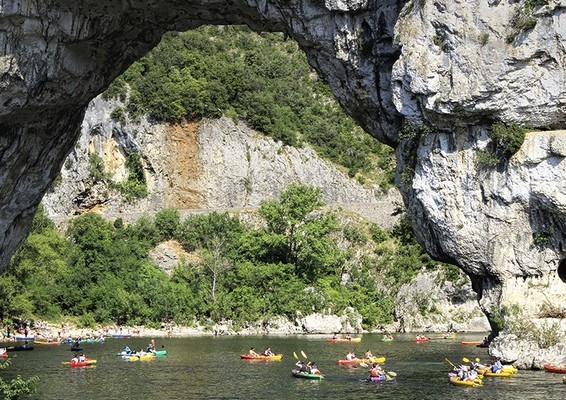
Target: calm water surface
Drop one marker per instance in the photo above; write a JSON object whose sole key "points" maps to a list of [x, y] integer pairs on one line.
{"points": [[210, 368]]}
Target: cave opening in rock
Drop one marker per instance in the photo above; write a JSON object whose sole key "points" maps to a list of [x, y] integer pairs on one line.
{"points": [[562, 270]]}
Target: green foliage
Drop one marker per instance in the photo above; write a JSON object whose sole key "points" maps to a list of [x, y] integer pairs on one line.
{"points": [[100, 272], [261, 78], [96, 167], [508, 139], [135, 186], [17, 387]]}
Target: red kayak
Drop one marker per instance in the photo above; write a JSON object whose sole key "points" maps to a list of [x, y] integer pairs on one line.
{"points": [[554, 368], [421, 340]]}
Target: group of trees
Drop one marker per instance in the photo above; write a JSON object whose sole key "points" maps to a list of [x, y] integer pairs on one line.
{"points": [[260, 78], [100, 271]]}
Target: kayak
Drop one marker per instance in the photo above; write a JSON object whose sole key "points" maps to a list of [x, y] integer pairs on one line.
{"points": [[502, 374], [56, 342], [449, 336], [379, 378], [387, 339], [19, 348], [470, 343], [554, 368], [276, 357], [143, 357], [99, 340], [339, 340], [126, 353], [160, 353], [378, 360], [423, 340], [456, 381], [23, 338], [506, 368], [89, 361], [295, 373]]}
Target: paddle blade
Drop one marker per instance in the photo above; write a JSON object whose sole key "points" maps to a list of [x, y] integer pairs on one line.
{"points": [[392, 373], [477, 359], [303, 353], [295, 355], [364, 365], [465, 360]]}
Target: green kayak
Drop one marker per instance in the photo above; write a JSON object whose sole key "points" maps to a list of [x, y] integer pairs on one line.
{"points": [[160, 352], [304, 375]]}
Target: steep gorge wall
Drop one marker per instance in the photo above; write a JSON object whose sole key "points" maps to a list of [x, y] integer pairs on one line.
{"points": [[453, 67], [214, 165]]}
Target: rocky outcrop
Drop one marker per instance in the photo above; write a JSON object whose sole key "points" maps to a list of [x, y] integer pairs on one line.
{"points": [[430, 303], [215, 165], [450, 67]]}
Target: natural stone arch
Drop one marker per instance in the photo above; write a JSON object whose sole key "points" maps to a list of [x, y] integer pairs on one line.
{"points": [[386, 61]]}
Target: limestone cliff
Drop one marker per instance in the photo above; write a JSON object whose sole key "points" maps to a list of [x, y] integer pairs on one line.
{"points": [[452, 67], [212, 165]]}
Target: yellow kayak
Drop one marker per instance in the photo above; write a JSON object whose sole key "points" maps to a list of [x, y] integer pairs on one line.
{"points": [[502, 374], [143, 357], [379, 360], [456, 381]]}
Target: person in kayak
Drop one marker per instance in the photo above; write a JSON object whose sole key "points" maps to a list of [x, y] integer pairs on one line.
{"points": [[497, 367], [351, 356], [253, 353], [268, 352], [313, 369], [369, 355], [127, 350], [303, 369], [376, 371]]}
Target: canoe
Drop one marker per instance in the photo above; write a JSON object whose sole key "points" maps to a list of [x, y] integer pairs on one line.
{"points": [[295, 373], [554, 368], [456, 381], [344, 340], [378, 360], [89, 361], [276, 357], [54, 342], [470, 343], [415, 340]]}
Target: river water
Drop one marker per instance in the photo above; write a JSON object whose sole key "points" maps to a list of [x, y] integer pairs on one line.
{"points": [[210, 368]]}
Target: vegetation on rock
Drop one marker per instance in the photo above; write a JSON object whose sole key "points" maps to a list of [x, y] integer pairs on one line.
{"points": [[260, 78]]}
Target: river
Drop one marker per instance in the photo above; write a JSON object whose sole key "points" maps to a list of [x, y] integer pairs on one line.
{"points": [[210, 368]]}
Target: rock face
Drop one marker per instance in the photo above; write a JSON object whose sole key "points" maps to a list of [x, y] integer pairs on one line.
{"points": [[453, 67], [215, 165]]}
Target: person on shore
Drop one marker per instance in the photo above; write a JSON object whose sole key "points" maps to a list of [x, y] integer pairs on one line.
{"points": [[253, 353]]}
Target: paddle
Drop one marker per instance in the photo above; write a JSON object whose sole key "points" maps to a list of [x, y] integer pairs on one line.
{"points": [[295, 355], [303, 353], [449, 362], [466, 360]]}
